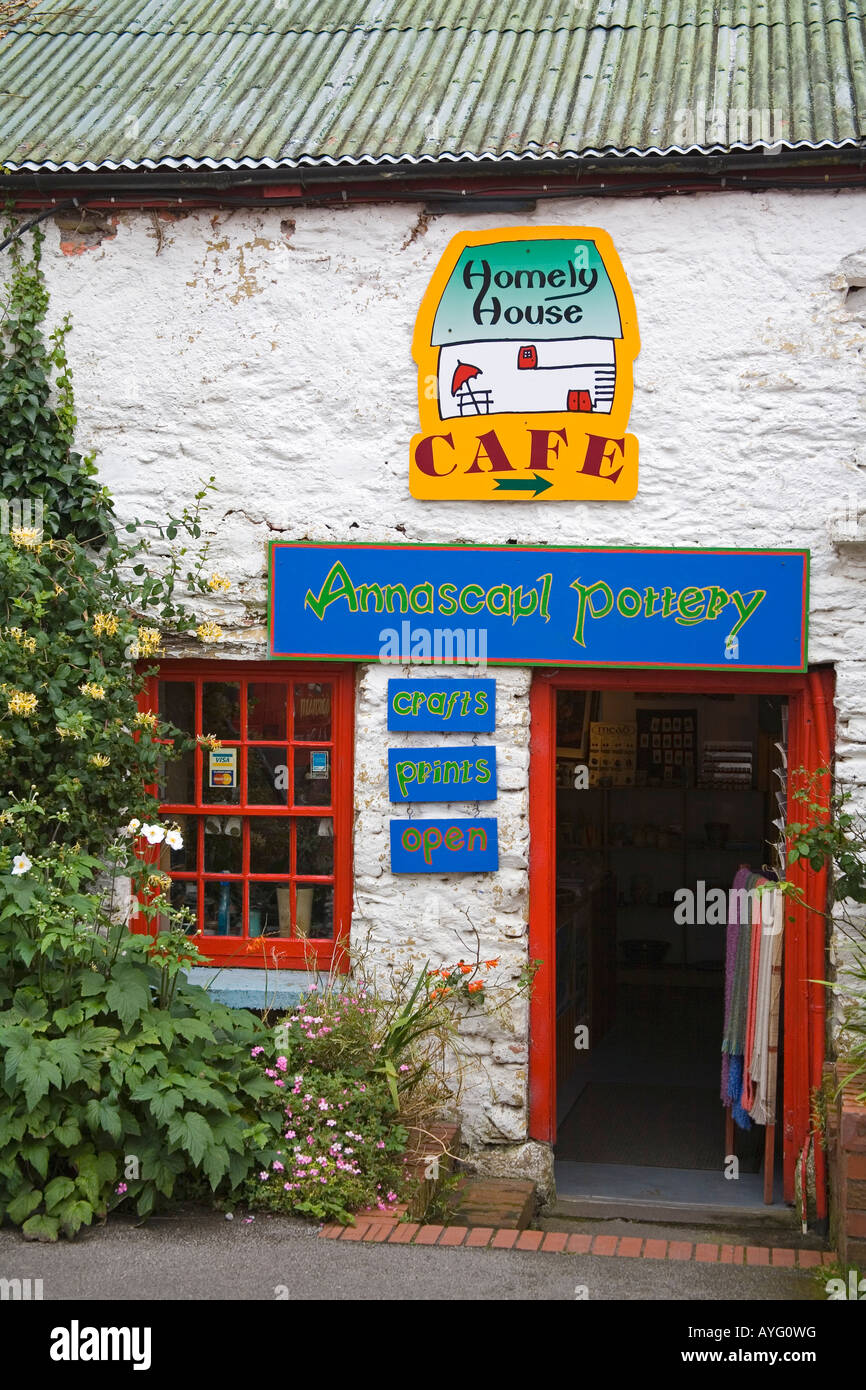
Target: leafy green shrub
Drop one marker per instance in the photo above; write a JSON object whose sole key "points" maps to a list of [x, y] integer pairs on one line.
{"points": [[119, 1078]]}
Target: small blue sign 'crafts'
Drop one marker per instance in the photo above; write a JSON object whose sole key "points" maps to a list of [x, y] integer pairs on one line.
{"points": [[442, 705], [452, 846], [442, 774]]}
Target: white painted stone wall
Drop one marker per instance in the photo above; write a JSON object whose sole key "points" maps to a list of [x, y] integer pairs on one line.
{"points": [[273, 350]]}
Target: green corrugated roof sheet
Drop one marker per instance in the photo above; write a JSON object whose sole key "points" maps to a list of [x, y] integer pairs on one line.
{"points": [[87, 84]]}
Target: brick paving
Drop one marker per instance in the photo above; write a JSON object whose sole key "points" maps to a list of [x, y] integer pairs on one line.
{"points": [[391, 1232]]}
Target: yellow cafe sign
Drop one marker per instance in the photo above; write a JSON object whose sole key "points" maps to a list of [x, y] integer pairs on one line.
{"points": [[525, 343]]}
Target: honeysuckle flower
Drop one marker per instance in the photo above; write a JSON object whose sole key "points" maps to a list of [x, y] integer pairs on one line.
{"points": [[21, 864], [174, 839], [21, 702], [99, 759], [94, 691], [219, 584], [105, 623], [209, 632], [25, 537]]}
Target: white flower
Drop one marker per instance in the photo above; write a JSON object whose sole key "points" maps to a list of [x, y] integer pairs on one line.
{"points": [[154, 834], [20, 864], [174, 839], [134, 826]]}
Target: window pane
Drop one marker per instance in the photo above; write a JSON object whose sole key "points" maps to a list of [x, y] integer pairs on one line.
{"points": [[221, 709], [269, 910], [270, 844], [266, 710], [181, 860], [222, 909], [224, 773], [315, 910], [223, 845], [177, 704], [268, 776], [312, 777], [312, 713], [177, 779], [184, 894], [315, 844]]}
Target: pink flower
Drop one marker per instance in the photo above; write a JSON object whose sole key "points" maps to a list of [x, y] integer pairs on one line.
{"points": [[380, 1144], [277, 1166], [263, 1176], [403, 1066], [392, 1197], [330, 1122], [290, 1134], [279, 1083], [323, 1104], [120, 1189], [255, 1051], [282, 1063]]}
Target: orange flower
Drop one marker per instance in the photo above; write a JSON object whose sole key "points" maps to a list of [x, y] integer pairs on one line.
{"points": [[465, 969], [491, 963], [476, 985]]}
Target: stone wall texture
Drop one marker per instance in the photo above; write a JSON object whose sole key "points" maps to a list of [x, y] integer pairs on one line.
{"points": [[274, 352]]}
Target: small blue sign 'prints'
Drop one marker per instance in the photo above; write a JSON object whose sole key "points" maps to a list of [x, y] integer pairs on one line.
{"points": [[442, 774], [433, 705], [453, 846]]}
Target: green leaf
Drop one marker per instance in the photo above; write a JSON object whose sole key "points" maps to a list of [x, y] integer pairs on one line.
{"points": [[192, 1133], [56, 1191], [128, 994], [22, 1204], [42, 1228], [73, 1214]]}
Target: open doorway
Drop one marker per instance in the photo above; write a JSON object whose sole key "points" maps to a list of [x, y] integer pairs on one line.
{"points": [[661, 799]]}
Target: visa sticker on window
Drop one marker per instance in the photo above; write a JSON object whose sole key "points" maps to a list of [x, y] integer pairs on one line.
{"points": [[223, 767]]}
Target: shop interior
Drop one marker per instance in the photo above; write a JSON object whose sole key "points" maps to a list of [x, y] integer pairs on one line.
{"points": [[656, 794]]}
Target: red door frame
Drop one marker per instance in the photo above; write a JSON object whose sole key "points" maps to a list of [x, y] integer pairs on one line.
{"points": [[810, 745]]}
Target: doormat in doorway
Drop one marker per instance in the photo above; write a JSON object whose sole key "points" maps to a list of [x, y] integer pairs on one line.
{"points": [[653, 1127]]}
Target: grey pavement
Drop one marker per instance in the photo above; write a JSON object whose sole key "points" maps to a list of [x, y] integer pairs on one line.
{"points": [[201, 1256]]}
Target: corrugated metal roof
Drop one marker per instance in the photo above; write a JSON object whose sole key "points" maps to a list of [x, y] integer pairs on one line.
{"points": [[184, 84]]}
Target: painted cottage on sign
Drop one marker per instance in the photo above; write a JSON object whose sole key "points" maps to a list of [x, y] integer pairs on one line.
{"points": [[527, 327]]}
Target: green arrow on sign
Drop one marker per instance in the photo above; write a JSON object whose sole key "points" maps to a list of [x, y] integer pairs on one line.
{"points": [[535, 485]]}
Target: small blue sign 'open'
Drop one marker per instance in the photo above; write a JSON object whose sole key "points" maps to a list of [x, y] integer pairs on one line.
{"points": [[453, 846], [442, 774], [428, 705]]}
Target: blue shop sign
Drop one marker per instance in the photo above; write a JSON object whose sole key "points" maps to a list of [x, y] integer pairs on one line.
{"points": [[442, 774], [448, 846], [540, 605], [440, 705]]}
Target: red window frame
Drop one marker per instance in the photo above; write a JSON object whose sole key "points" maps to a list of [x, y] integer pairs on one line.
{"points": [[285, 952]]}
